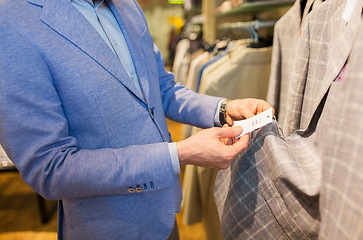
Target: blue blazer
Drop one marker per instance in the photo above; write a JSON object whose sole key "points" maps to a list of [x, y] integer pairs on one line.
{"points": [[77, 128]]}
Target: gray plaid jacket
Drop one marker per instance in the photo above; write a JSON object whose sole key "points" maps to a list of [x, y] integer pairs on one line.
{"points": [[286, 36], [308, 185]]}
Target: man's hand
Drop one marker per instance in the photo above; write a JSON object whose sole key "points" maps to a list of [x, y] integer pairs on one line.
{"points": [[244, 108], [215, 147], [210, 147]]}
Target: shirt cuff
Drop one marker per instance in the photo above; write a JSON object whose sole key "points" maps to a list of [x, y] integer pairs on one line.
{"points": [[217, 122], [174, 157]]}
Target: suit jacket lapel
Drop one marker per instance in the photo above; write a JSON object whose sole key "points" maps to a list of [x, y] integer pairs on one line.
{"points": [[134, 30], [66, 20], [343, 35]]}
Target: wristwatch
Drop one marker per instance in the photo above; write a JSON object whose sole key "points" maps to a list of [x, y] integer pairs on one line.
{"points": [[223, 112]]}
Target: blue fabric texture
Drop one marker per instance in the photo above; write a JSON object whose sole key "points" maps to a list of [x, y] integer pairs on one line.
{"points": [[102, 19], [77, 127]]}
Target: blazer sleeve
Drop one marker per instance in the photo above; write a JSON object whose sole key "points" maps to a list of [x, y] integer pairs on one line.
{"points": [[35, 134], [182, 104]]}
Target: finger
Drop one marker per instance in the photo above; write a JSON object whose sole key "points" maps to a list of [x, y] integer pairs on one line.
{"points": [[230, 141], [263, 106], [248, 113], [240, 144], [229, 121], [243, 137], [225, 140], [229, 132]]}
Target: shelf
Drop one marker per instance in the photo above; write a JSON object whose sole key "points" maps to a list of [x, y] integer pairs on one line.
{"points": [[255, 7]]}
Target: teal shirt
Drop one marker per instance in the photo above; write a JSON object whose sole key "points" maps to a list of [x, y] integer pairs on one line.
{"points": [[103, 20]]}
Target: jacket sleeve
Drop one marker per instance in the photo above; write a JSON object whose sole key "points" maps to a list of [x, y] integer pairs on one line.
{"points": [[182, 104], [35, 134]]}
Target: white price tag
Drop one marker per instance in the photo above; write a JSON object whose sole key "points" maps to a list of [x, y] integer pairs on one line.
{"points": [[255, 122]]}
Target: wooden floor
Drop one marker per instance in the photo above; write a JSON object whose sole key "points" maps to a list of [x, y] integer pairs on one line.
{"points": [[19, 210]]}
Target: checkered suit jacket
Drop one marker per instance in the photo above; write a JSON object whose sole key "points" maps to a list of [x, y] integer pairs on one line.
{"points": [[286, 35], [341, 193], [310, 66], [308, 185]]}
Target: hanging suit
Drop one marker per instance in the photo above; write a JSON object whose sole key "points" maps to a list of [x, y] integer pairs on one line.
{"points": [[182, 61], [307, 185], [310, 67], [241, 73], [286, 36], [77, 128]]}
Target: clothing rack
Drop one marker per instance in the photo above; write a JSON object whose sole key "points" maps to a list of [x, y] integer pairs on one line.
{"points": [[251, 27]]}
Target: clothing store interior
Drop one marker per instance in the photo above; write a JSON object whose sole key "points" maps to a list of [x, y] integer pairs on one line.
{"points": [[301, 176]]}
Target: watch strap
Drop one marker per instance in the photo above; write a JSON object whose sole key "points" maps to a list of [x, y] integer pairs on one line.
{"points": [[223, 112]]}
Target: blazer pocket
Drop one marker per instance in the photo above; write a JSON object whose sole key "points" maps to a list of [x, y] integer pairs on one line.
{"points": [[278, 208]]}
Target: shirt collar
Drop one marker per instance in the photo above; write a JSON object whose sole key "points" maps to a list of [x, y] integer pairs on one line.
{"points": [[97, 2]]}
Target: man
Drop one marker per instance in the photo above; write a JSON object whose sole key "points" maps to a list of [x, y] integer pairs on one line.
{"points": [[83, 101]]}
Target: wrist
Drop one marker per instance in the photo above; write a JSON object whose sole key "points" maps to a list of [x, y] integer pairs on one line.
{"points": [[188, 151], [223, 112], [182, 150]]}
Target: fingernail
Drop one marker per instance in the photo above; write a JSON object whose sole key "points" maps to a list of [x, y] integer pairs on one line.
{"points": [[239, 128]]}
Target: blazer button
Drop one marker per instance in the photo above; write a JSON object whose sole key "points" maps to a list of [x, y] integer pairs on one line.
{"points": [[131, 190]]}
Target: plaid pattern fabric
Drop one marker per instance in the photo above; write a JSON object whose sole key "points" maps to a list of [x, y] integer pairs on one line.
{"points": [[308, 185], [341, 196], [309, 67], [255, 198], [286, 36]]}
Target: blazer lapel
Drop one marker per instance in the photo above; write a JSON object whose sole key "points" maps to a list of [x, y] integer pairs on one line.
{"points": [[343, 36], [66, 20], [134, 28]]}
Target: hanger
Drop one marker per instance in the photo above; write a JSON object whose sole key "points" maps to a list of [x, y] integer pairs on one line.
{"points": [[246, 26], [250, 27]]}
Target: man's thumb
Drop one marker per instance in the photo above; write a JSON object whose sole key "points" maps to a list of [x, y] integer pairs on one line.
{"points": [[230, 132]]}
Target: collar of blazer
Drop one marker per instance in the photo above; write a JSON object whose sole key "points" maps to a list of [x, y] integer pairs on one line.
{"points": [[80, 32], [308, 6], [342, 39]]}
